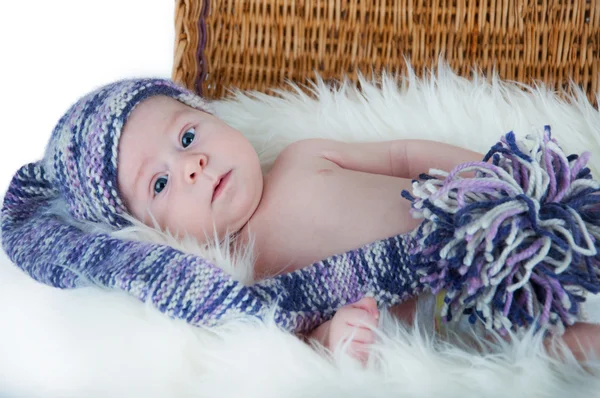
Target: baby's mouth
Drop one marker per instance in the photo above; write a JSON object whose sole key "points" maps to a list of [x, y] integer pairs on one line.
{"points": [[220, 185]]}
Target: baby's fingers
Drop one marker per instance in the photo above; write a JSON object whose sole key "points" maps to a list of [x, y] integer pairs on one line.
{"points": [[360, 335], [357, 317], [359, 351], [367, 304]]}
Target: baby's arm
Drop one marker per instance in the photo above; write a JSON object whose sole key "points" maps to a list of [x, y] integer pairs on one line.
{"points": [[399, 158]]}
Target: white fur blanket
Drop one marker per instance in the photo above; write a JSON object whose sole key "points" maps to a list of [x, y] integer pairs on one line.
{"points": [[97, 343]]}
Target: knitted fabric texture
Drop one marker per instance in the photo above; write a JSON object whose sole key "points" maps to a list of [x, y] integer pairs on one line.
{"points": [[80, 166]]}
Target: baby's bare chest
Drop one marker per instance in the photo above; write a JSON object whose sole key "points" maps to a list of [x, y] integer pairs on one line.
{"points": [[309, 214]]}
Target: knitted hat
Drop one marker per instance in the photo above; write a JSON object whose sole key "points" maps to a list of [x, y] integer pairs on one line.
{"points": [[81, 158]]}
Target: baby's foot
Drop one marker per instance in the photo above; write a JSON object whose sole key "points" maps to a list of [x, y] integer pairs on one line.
{"points": [[354, 324]]}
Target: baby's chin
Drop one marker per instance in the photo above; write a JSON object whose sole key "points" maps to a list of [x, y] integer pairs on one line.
{"points": [[230, 230], [218, 233], [204, 232]]}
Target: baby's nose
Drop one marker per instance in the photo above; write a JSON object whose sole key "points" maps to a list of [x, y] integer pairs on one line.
{"points": [[193, 167]]}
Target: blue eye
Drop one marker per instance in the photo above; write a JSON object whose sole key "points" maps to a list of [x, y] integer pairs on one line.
{"points": [[160, 184], [188, 137]]}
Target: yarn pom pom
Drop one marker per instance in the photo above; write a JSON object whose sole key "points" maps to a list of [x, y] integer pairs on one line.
{"points": [[517, 244]]}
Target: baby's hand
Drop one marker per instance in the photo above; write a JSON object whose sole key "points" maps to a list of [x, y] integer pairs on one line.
{"points": [[354, 323]]}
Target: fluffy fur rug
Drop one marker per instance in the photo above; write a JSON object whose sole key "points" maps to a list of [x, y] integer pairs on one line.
{"points": [[97, 343]]}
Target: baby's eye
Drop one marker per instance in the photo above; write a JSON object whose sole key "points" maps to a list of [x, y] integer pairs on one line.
{"points": [[160, 184], [188, 137]]}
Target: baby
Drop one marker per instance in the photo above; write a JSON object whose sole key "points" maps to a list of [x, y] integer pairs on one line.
{"points": [[155, 151], [192, 174]]}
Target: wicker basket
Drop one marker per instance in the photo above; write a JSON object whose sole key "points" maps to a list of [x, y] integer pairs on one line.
{"points": [[258, 44]]}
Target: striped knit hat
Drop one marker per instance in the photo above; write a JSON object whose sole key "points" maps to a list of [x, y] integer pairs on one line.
{"points": [[81, 158]]}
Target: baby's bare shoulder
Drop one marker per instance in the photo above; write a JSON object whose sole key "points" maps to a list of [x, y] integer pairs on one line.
{"points": [[307, 147], [298, 162], [304, 152]]}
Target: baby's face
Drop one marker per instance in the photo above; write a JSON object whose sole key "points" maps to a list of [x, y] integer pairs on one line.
{"points": [[188, 169]]}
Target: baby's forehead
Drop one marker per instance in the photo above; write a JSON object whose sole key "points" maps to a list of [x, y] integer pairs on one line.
{"points": [[150, 121], [145, 129], [152, 113]]}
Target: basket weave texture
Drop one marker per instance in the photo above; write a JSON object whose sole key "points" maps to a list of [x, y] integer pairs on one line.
{"points": [[258, 44]]}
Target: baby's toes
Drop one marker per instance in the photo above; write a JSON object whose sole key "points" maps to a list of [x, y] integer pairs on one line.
{"points": [[360, 318]]}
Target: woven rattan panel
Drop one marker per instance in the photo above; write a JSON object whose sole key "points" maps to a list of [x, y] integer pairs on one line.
{"points": [[257, 44]]}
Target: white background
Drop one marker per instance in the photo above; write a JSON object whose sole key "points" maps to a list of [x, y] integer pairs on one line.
{"points": [[54, 51]]}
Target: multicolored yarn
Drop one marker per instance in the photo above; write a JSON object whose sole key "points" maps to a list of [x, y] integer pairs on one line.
{"points": [[517, 244], [80, 168]]}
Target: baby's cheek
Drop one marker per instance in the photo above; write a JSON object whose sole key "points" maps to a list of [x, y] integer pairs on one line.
{"points": [[189, 218]]}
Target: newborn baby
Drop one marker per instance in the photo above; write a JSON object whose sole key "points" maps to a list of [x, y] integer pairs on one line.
{"points": [[193, 174], [152, 149]]}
